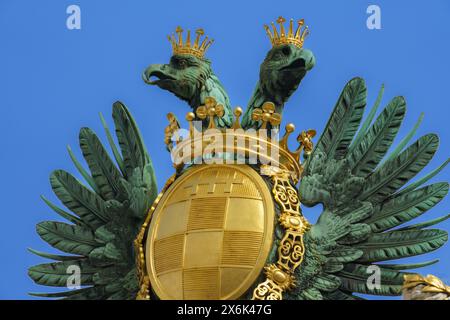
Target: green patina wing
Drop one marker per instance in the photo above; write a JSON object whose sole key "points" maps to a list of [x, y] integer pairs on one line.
{"points": [[106, 215], [365, 201]]}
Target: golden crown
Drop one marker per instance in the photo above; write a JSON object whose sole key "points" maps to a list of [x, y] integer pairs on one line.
{"points": [[280, 38], [270, 150], [196, 49]]}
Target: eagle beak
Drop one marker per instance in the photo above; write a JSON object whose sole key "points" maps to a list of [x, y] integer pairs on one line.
{"points": [[309, 59], [302, 61], [157, 71]]}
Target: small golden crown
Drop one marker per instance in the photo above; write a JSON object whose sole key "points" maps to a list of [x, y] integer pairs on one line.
{"points": [[271, 150], [197, 49], [296, 38]]}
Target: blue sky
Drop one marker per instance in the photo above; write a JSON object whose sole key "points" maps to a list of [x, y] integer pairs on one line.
{"points": [[55, 81]]}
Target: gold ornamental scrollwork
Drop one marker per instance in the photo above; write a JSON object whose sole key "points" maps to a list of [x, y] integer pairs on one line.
{"points": [[285, 195], [267, 290], [144, 281], [291, 250]]}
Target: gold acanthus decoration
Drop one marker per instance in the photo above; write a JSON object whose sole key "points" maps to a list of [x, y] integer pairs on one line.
{"points": [[432, 284]]}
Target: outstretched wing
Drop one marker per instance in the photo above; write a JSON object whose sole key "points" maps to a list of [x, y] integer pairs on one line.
{"points": [[360, 187], [106, 216]]}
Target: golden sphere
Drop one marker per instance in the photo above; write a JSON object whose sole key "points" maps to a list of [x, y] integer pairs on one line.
{"points": [[210, 102], [290, 127], [266, 116], [212, 111], [190, 116]]}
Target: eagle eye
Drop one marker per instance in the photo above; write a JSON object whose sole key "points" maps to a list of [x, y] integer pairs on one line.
{"points": [[286, 50], [182, 63]]}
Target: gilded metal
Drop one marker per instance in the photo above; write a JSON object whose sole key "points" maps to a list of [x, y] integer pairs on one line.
{"points": [[267, 290], [269, 150], [144, 281], [210, 234], [211, 109], [291, 250], [292, 222], [267, 114], [305, 140], [195, 49], [432, 284], [283, 279], [170, 131], [280, 276], [237, 120], [281, 38], [285, 195]]}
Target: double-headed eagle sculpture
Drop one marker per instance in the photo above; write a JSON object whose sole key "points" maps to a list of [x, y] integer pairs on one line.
{"points": [[229, 223]]}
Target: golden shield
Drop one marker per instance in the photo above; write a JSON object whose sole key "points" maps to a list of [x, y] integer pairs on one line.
{"points": [[210, 234]]}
